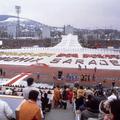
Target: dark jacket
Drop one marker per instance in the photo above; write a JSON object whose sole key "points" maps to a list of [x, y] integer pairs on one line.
{"points": [[79, 102], [64, 95], [89, 114]]}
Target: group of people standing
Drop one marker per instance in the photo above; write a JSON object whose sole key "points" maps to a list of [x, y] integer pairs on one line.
{"points": [[87, 103], [29, 108], [95, 104], [61, 96]]}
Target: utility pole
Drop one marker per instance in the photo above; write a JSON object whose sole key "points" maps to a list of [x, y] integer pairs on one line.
{"points": [[18, 10]]}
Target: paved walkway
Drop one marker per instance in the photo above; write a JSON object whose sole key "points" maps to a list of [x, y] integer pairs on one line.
{"points": [[61, 114], [54, 114]]}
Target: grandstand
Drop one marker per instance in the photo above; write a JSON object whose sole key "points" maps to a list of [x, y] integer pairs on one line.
{"points": [[66, 62]]}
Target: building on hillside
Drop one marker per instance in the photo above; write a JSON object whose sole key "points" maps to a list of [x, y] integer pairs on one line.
{"points": [[45, 32], [68, 29], [11, 30]]}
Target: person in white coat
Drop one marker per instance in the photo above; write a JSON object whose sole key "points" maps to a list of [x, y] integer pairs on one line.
{"points": [[26, 90], [6, 112]]}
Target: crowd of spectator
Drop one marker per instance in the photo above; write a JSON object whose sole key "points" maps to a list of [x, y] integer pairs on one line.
{"points": [[101, 44], [88, 103]]}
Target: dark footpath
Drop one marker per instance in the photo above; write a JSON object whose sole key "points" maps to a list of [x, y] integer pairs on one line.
{"points": [[61, 114]]}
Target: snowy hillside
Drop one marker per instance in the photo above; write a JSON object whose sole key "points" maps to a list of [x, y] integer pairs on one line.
{"points": [[7, 20]]}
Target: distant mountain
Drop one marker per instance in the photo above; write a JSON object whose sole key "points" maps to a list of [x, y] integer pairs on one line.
{"points": [[4, 17], [26, 25], [8, 19]]}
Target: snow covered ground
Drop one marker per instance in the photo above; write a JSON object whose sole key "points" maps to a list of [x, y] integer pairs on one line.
{"points": [[67, 54], [24, 83]]}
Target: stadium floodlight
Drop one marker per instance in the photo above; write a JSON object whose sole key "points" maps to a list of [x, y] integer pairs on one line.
{"points": [[18, 10]]}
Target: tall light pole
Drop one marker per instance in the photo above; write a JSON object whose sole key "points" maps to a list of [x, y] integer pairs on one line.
{"points": [[18, 10]]}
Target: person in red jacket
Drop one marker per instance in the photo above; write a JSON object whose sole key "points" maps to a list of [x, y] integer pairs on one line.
{"points": [[70, 95]]}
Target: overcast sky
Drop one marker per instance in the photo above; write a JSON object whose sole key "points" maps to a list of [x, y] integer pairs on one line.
{"points": [[79, 13]]}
